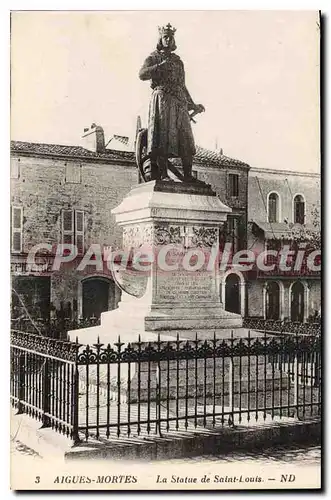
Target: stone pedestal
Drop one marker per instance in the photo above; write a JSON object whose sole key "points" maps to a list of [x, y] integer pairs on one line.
{"points": [[176, 226]]}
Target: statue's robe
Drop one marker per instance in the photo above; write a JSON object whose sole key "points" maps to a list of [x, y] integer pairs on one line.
{"points": [[169, 127]]}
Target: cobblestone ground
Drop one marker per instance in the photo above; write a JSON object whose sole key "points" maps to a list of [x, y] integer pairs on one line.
{"points": [[309, 455]]}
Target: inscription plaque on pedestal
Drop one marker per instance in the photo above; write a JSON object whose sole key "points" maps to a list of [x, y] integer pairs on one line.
{"points": [[185, 286]]}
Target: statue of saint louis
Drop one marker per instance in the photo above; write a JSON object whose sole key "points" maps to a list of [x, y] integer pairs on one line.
{"points": [[169, 122]]}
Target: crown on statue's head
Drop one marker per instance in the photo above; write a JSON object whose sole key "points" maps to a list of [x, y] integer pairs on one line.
{"points": [[167, 30]]}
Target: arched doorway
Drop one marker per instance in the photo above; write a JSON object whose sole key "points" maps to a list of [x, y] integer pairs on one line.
{"points": [[98, 295], [297, 301], [272, 301], [232, 293]]}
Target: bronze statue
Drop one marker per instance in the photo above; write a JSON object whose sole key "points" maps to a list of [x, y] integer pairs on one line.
{"points": [[169, 133]]}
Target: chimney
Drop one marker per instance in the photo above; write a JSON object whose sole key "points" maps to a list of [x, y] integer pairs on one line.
{"points": [[218, 150], [93, 139]]}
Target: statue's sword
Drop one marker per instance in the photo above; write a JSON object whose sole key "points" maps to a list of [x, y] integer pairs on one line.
{"points": [[171, 167]]}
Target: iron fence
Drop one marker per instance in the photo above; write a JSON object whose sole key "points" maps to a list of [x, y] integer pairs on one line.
{"points": [[137, 388], [56, 328], [44, 381]]}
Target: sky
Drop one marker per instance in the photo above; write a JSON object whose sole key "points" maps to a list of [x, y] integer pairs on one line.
{"points": [[256, 73]]}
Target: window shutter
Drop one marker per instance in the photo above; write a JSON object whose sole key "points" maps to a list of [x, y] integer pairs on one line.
{"points": [[273, 207], [67, 226], [299, 211], [79, 233], [272, 210], [234, 185], [73, 173], [302, 213], [15, 168], [17, 227]]}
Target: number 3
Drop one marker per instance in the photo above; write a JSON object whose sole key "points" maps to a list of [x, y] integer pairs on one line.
{"points": [[37, 479]]}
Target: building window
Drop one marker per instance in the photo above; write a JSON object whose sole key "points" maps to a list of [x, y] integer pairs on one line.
{"points": [[234, 185], [73, 173], [73, 228], [273, 207], [299, 210], [16, 229], [15, 168]]}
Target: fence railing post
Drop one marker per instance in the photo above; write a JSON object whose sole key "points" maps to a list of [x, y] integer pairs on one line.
{"points": [[75, 399], [46, 384], [158, 390], [317, 377], [21, 382], [316, 370], [231, 401], [296, 377], [231, 385], [75, 406], [296, 384]]}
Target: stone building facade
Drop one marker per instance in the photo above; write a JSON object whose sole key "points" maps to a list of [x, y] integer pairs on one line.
{"points": [[280, 205], [65, 194]]}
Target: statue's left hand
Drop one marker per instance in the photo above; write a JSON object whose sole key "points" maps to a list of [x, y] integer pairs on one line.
{"points": [[199, 108]]}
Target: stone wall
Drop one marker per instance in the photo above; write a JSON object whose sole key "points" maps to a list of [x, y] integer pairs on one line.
{"points": [[287, 185], [44, 187], [255, 297], [314, 296], [43, 190], [218, 178]]}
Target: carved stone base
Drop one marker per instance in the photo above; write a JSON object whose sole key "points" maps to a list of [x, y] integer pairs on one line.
{"points": [[177, 226]]}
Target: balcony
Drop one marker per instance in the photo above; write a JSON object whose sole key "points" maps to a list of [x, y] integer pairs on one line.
{"points": [[277, 272]]}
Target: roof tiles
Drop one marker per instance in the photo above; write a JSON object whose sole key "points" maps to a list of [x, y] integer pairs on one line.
{"points": [[203, 156]]}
